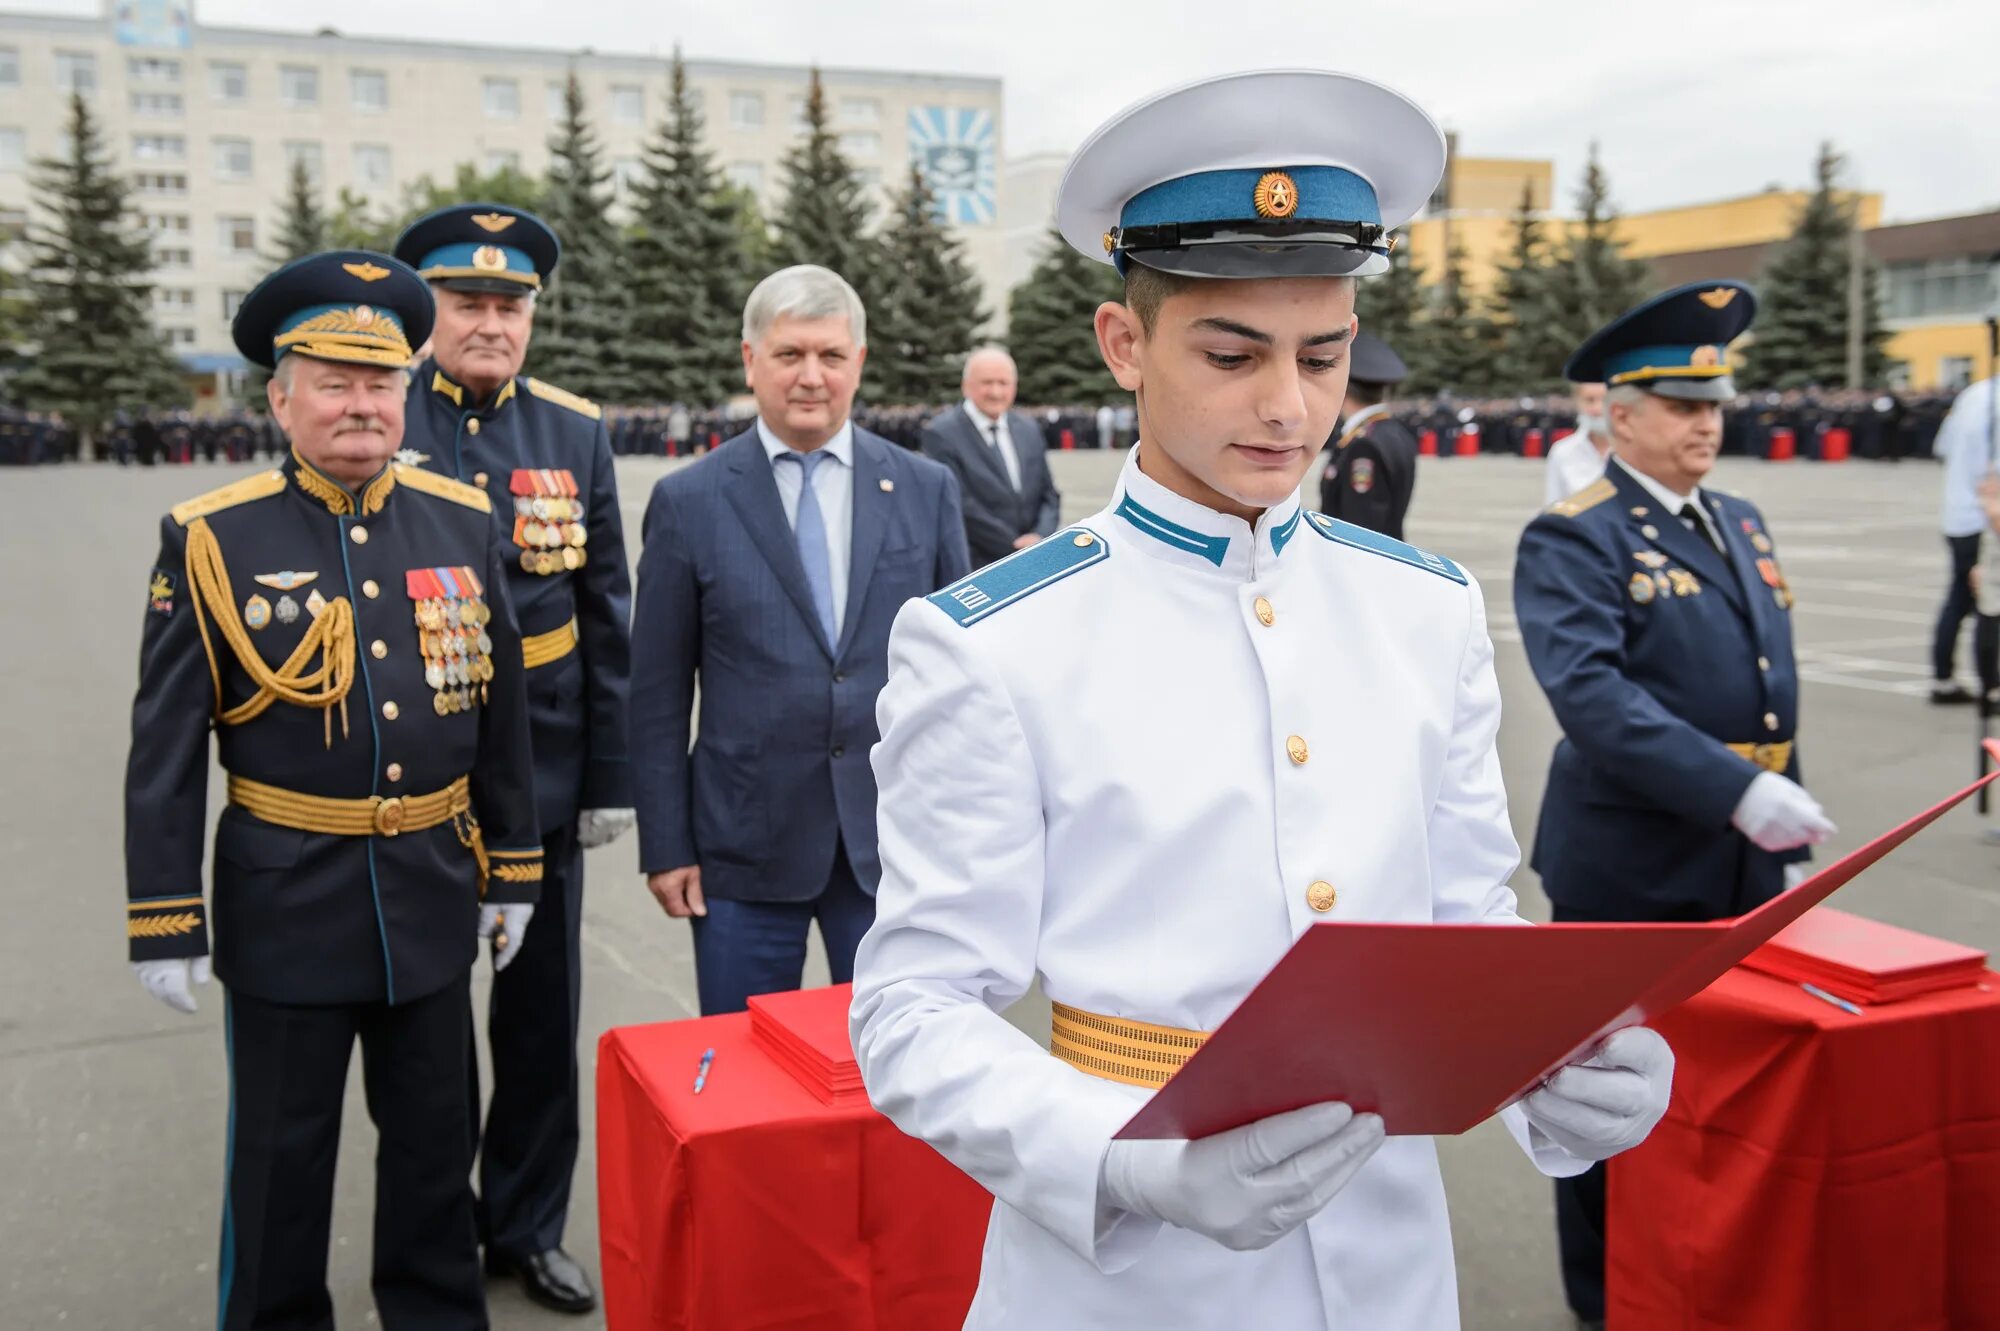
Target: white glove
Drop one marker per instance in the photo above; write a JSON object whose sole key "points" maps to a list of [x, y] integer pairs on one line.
{"points": [[172, 980], [601, 827], [507, 925], [1248, 1187], [1777, 814], [1796, 874], [1608, 1102]]}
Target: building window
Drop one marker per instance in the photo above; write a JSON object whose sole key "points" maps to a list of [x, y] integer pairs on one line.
{"points": [[13, 149], [153, 69], [158, 148], [164, 224], [10, 67], [159, 105], [860, 111], [179, 337], [13, 225], [556, 103], [626, 175], [1954, 372], [795, 113], [747, 175], [298, 86], [746, 110], [1962, 285], [173, 257], [628, 104], [371, 164], [161, 184], [503, 99], [502, 159], [861, 145], [307, 154], [370, 89], [236, 235], [229, 82], [76, 71], [869, 176], [232, 159], [174, 299], [232, 301]]}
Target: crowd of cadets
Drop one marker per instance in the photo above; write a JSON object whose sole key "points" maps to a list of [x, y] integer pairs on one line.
{"points": [[1879, 425]]}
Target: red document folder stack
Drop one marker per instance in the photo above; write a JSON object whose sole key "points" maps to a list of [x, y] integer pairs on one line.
{"points": [[805, 1033], [1865, 961]]}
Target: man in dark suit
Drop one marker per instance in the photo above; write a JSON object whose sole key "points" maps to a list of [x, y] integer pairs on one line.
{"points": [[1371, 469], [1658, 621], [1000, 458], [771, 573]]}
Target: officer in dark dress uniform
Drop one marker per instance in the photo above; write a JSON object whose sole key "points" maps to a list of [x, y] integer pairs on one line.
{"points": [[342, 624], [1371, 468], [1657, 619], [544, 458]]}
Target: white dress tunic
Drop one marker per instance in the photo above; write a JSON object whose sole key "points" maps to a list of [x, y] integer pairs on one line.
{"points": [[1089, 773]]}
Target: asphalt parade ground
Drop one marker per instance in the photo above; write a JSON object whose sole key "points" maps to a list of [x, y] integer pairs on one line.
{"points": [[112, 1128]]}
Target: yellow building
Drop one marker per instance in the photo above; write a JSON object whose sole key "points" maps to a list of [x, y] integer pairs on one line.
{"points": [[1940, 278]]}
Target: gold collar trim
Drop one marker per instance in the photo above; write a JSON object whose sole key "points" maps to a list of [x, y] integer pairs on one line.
{"points": [[457, 392], [338, 500]]}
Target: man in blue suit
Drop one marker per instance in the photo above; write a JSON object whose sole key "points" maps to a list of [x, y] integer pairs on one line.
{"points": [[1658, 621], [771, 573]]}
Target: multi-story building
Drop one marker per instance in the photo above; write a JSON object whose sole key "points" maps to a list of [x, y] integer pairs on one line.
{"points": [[207, 122]]}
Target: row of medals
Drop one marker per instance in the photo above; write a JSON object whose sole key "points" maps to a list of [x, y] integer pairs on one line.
{"points": [[551, 527], [458, 652]]}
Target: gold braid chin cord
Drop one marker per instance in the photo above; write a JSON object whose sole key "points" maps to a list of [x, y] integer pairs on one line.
{"points": [[331, 636]]}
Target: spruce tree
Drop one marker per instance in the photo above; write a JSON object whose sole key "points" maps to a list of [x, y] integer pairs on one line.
{"points": [[686, 265], [1050, 328], [468, 184], [1591, 280], [87, 282], [825, 217], [1389, 304], [352, 225], [1530, 344], [302, 222], [1801, 335], [927, 311], [585, 311], [1455, 344], [14, 312]]}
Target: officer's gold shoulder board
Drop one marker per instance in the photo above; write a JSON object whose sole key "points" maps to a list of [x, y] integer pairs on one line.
{"points": [[1375, 543], [1020, 575], [1589, 497], [564, 398], [261, 486], [444, 487]]}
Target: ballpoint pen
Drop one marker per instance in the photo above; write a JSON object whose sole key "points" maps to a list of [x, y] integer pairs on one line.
{"points": [[1834, 999], [701, 1073]]}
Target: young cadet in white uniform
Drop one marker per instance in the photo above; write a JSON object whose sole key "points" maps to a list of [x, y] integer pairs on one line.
{"points": [[1140, 758]]}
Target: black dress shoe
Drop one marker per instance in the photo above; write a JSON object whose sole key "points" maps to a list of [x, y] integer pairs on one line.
{"points": [[1950, 694], [552, 1279]]}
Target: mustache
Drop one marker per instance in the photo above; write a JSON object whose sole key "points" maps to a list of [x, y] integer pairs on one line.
{"points": [[358, 425]]}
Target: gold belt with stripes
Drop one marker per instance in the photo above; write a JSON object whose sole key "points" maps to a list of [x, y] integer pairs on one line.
{"points": [[1771, 757], [1115, 1049], [543, 648], [373, 816]]}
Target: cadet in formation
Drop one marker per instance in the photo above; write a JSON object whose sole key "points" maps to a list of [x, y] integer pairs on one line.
{"points": [[342, 624], [1371, 470], [542, 457], [1113, 761]]}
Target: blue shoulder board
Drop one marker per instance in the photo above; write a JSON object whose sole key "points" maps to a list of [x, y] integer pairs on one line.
{"points": [[1020, 575], [1346, 533]]}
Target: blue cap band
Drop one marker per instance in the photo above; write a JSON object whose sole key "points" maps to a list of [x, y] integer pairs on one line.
{"points": [[464, 261], [1326, 193], [1673, 361]]}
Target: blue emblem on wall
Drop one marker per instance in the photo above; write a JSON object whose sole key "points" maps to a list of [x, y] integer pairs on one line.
{"points": [[954, 147]]}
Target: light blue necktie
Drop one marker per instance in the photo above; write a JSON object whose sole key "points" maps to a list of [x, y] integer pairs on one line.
{"points": [[809, 534]]}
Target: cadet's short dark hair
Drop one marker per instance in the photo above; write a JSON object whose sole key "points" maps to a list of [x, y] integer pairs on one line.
{"points": [[1368, 395], [1147, 289]]}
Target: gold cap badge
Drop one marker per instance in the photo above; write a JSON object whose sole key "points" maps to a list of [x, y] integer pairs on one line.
{"points": [[1277, 195], [1718, 297], [1111, 240], [489, 258], [1705, 358], [494, 222], [367, 272]]}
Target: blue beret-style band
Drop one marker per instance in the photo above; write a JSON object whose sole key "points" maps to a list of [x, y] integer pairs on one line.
{"points": [[1327, 193], [469, 260]]}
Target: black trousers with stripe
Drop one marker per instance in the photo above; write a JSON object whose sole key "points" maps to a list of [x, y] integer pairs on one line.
{"points": [[288, 1074]]}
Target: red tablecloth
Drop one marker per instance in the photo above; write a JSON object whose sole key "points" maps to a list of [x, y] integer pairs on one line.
{"points": [[753, 1206], [1816, 1169]]}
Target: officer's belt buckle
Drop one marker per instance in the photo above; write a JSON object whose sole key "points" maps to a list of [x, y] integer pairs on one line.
{"points": [[389, 814]]}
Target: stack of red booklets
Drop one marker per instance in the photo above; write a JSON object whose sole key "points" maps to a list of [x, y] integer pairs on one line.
{"points": [[805, 1033], [1865, 961]]}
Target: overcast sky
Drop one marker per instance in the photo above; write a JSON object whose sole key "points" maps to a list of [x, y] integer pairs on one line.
{"points": [[1690, 102]]}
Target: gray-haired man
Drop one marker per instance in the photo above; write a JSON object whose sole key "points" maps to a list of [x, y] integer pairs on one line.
{"points": [[771, 574]]}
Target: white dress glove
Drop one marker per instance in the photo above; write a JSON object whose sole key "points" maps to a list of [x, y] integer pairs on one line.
{"points": [[1608, 1102], [1248, 1187], [172, 980], [1796, 874], [507, 926], [1777, 814], [601, 827]]}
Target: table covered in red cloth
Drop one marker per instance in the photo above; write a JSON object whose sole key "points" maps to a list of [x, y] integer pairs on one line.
{"points": [[754, 1207], [1816, 1170]]}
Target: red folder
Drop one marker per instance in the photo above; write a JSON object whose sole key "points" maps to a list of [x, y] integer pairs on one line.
{"points": [[1438, 1026], [1866, 961], [805, 1033]]}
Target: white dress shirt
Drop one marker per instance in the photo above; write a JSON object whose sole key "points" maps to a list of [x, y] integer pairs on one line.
{"points": [[988, 429], [1574, 462], [834, 487], [1963, 443], [1672, 503]]}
